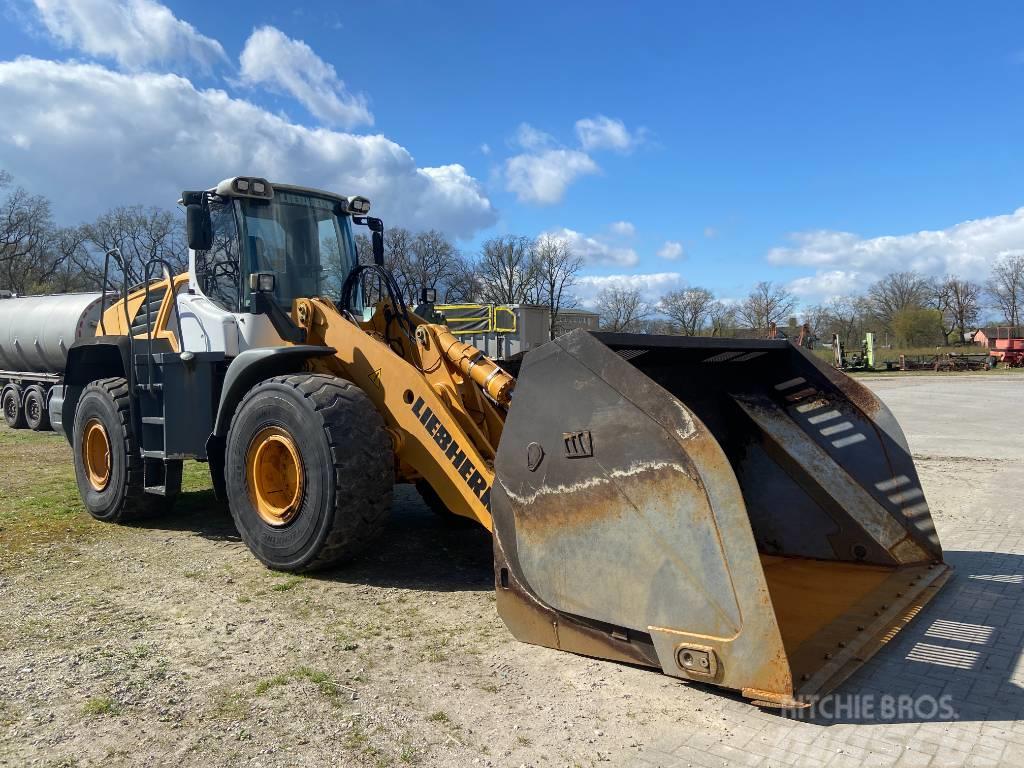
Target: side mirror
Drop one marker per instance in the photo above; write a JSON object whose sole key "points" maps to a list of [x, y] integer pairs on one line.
{"points": [[377, 239], [376, 236], [198, 227]]}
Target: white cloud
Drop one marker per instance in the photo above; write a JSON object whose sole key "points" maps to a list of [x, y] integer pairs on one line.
{"points": [[594, 250], [623, 228], [531, 138], [710, 233], [602, 132], [134, 33], [652, 286], [543, 177], [271, 58], [485, 148], [671, 250], [543, 171], [846, 262], [92, 138], [830, 284]]}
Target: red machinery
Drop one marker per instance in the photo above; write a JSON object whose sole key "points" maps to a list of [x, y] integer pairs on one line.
{"points": [[1009, 350]]}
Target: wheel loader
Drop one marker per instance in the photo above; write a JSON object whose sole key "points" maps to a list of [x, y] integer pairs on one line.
{"points": [[730, 512]]}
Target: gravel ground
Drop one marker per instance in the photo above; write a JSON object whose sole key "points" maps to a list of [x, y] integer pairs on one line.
{"points": [[167, 643]]}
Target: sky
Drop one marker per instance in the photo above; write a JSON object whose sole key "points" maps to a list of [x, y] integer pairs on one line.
{"points": [[817, 145]]}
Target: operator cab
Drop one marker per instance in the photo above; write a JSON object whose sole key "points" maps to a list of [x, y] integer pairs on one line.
{"points": [[254, 248]]}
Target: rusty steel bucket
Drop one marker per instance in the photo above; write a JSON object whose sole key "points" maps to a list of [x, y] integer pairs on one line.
{"points": [[732, 512]]}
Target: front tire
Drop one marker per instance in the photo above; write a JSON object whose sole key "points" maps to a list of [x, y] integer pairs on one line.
{"points": [[108, 464], [309, 471]]}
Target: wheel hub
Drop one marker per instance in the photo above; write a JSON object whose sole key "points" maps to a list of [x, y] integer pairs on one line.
{"points": [[96, 454], [274, 476]]}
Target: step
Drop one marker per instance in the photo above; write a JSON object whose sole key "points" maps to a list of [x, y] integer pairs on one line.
{"points": [[152, 419], [156, 490], [156, 386], [153, 454]]}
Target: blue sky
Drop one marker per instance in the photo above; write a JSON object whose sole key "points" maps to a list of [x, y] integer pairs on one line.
{"points": [[819, 145]]}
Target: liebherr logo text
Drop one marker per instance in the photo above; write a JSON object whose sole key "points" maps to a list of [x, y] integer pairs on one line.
{"points": [[467, 471]]}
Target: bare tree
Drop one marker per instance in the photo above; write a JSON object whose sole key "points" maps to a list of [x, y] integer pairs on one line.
{"points": [[1006, 286], [689, 308], [463, 285], [896, 293], [817, 318], [556, 267], [141, 234], [622, 310], [722, 318], [364, 248], [25, 229], [507, 269], [958, 302], [768, 304], [847, 318], [424, 260], [72, 268]]}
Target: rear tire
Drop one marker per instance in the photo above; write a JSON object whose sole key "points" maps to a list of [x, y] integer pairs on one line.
{"points": [[309, 471], [108, 463], [36, 416], [14, 411]]}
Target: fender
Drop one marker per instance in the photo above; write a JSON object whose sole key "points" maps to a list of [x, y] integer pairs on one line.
{"points": [[245, 371], [89, 359]]}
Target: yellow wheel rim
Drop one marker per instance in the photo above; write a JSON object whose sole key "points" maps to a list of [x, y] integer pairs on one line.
{"points": [[274, 476], [96, 454]]}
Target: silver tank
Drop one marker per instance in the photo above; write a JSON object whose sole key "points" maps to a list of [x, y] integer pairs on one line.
{"points": [[37, 331]]}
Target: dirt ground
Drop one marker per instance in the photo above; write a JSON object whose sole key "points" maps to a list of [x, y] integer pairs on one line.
{"points": [[167, 643]]}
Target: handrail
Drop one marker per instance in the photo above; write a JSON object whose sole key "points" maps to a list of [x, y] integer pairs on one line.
{"points": [[147, 279], [115, 253]]}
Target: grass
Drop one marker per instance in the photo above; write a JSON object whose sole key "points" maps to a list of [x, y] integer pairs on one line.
{"points": [[39, 501], [8, 714], [230, 705], [99, 705], [439, 717], [322, 680], [284, 586]]}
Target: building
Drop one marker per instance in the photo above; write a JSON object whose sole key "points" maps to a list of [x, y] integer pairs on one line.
{"points": [[571, 319], [504, 330], [985, 337]]}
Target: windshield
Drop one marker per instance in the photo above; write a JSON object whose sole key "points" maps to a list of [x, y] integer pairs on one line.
{"points": [[301, 240]]}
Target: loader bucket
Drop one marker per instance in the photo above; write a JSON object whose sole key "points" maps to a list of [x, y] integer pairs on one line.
{"points": [[733, 512]]}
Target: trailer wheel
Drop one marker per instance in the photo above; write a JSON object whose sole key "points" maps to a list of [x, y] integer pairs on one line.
{"points": [[309, 471], [36, 416], [14, 411], [108, 465]]}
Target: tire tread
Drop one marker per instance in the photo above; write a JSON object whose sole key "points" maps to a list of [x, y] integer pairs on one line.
{"points": [[361, 454]]}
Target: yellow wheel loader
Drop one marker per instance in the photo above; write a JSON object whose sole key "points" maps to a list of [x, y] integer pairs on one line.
{"points": [[727, 511]]}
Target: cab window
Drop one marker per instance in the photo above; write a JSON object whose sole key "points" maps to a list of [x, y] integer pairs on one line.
{"points": [[219, 276]]}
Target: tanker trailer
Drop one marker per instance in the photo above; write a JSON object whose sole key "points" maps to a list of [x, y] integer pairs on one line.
{"points": [[35, 335]]}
